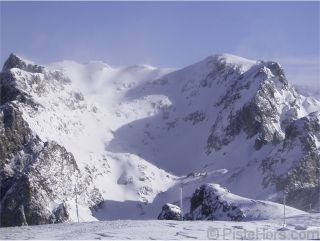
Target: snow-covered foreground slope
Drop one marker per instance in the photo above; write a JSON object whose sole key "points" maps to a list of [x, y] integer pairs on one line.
{"points": [[300, 227], [133, 135]]}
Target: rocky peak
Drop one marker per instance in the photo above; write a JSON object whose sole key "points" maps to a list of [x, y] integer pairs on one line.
{"points": [[255, 101], [25, 81], [16, 62]]}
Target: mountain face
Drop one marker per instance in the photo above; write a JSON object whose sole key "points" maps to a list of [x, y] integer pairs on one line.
{"points": [[37, 178], [130, 136]]}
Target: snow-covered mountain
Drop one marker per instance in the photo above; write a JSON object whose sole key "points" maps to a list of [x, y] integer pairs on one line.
{"points": [[118, 138]]}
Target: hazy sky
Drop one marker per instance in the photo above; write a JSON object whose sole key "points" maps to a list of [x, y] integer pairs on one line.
{"points": [[165, 34]]}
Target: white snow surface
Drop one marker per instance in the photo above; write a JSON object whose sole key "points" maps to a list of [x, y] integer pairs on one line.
{"points": [[299, 227]]}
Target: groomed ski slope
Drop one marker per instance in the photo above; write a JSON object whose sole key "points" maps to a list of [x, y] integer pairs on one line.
{"points": [[299, 227]]}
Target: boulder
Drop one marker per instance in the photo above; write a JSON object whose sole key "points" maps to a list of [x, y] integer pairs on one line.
{"points": [[170, 212]]}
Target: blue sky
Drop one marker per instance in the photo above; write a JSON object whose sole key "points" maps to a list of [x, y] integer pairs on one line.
{"points": [[165, 34]]}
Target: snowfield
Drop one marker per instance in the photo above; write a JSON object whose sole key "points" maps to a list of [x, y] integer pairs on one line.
{"points": [[300, 227]]}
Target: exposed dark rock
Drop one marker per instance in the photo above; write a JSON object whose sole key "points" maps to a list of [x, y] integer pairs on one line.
{"points": [[14, 132], [303, 176], [207, 203], [34, 175], [195, 117], [9, 91], [15, 62], [59, 215], [170, 212], [256, 118]]}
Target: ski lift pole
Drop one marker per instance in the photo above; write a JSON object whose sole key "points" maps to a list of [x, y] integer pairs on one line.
{"points": [[310, 207], [77, 202], [181, 205], [284, 210]]}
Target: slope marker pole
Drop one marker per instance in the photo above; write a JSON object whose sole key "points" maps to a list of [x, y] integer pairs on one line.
{"points": [[77, 202], [284, 210], [181, 205]]}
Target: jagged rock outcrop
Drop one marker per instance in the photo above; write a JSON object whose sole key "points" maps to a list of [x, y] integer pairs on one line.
{"points": [[209, 203], [259, 117], [300, 179], [16, 62], [38, 179], [170, 212]]}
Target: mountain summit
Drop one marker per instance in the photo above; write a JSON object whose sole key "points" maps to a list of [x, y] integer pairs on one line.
{"points": [[95, 138]]}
